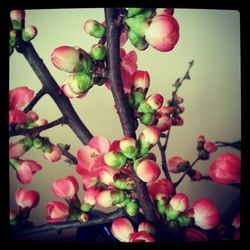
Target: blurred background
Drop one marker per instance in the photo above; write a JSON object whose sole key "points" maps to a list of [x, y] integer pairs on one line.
{"points": [[211, 98]]}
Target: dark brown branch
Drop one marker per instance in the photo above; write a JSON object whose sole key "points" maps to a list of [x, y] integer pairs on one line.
{"points": [[208, 178], [122, 106], [35, 131], [34, 101], [67, 154], [104, 218], [51, 87], [184, 174]]}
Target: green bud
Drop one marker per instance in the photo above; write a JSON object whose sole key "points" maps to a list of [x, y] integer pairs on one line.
{"points": [[184, 221], [138, 98], [94, 28], [27, 142], [12, 37], [29, 33], [115, 159], [98, 52], [37, 142], [11, 49], [161, 208], [139, 42], [13, 222], [132, 208], [147, 119], [145, 108], [146, 13], [118, 197], [122, 204], [85, 207], [171, 214], [134, 11], [137, 25], [85, 63], [14, 163], [46, 148], [81, 82]]}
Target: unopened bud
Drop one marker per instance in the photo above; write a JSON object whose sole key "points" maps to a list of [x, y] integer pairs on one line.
{"points": [[29, 33], [17, 19], [147, 119], [98, 52], [114, 159], [132, 207], [94, 28], [129, 147]]}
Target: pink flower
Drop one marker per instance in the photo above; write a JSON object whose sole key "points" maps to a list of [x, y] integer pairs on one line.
{"points": [[163, 33], [90, 157], [89, 181], [161, 187], [148, 170], [122, 229], [226, 169], [205, 213], [210, 147], [193, 234], [57, 212], [19, 97], [90, 195], [27, 198], [174, 164], [141, 80], [17, 150], [106, 174], [236, 221], [54, 155], [179, 202], [141, 237], [26, 169], [164, 122], [128, 67], [65, 188]]}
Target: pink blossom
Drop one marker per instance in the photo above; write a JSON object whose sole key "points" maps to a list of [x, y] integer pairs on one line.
{"points": [[155, 101], [17, 150], [174, 164], [226, 169], [205, 213], [27, 198], [141, 237], [90, 157], [65, 188], [90, 195], [164, 122], [106, 174], [89, 181], [54, 155], [141, 80], [26, 169], [194, 234], [122, 229], [19, 97], [161, 187], [163, 33], [179, 202], [57, 212]]}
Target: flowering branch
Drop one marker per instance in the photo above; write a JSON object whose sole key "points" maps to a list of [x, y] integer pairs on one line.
{"points": [[101, 219], [51, 87], [33, 132], [124, 112]]}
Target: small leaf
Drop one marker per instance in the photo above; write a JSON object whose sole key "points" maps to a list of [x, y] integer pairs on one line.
{"points": [[177, 83]]}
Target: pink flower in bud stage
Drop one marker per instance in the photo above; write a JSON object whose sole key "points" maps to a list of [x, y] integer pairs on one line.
{"points": [[54, 155], [210, 147], [104, 199], [40, 122], [148, 170], [205, 213], [146, 227], [16, 150], [65, 188], [141, 237], [197, 175], [164, 122], [161, 187], [32, 115], [179, 202], [226, 169], [141, 80], [17, 18], [90, 195], [89, 181], [163, 33], [18, 98], [174, 164], [201, 138], [155, 101], [194, 234], [90, 157], [27, 198], [57, 211], [106, 174], [26, 169], [122, 229], [236, 221]]}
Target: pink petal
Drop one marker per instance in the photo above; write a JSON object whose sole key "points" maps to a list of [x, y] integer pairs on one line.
{"points": [[33, 165], [100, 143], [24, 174], [17, 116], [86, 155]]}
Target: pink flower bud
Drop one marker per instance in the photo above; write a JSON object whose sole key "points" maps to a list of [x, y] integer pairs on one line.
{"points": [[65, 188], [122, 229], [40, 122], [141, 237], [17, 19], [54, 155], [17, 116], [114, 159], [32, 115], [163, 33], [104, 199], [71, 59], [146, 227], [174, 164], [193, 234], [89, 181], [148, 170], [205, 213], [236, 221], [226, 169], [164, 122], [106, 174], [166, 110], [27, 198], [201, 138], [196, 176], [210, 147], [128, 147], [155, 101], [94, 28], [83, 217], [90, 195], [141, 80], [16, 150], [29, 33], [163, 187], [98, 52], [179, 202], [57, 212]]}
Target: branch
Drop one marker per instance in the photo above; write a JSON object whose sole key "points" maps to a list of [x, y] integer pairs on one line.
{"points": [[235, 144], [35, 131], [124, 112], [34, 101], [51, 87], [104, 218], [67, 154], [208, 178], [184, 174]]}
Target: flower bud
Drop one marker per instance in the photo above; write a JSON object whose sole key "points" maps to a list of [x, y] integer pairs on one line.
{"points": [[176, 164], [141, 237], [118, 196], [137, 25], [128, 147], [132, 208], [147, 118], [94, 28], [161, 207], [27, 198], [98, 52], [17, 18], [139, 42], [155, 101], [164, 122], [146, 227], [141, 80], [171, 214], [83, 217], [106, 174], [12, 38], [137, 98], [53, 154], [179, 202], [29, 33], [210, 147], [114, 159], [32, 115], [145, 108], [104, 199], [184, 220], [57, 211], [147, 170], [80, 82], [134, 11]]}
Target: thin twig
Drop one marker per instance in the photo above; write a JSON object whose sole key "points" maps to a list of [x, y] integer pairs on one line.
{"points": [[205, 177], [33, 132], [184, 174], [70, 156]]}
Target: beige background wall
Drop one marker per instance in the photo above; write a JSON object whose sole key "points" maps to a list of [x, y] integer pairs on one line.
{"points": [[211, 98]]}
